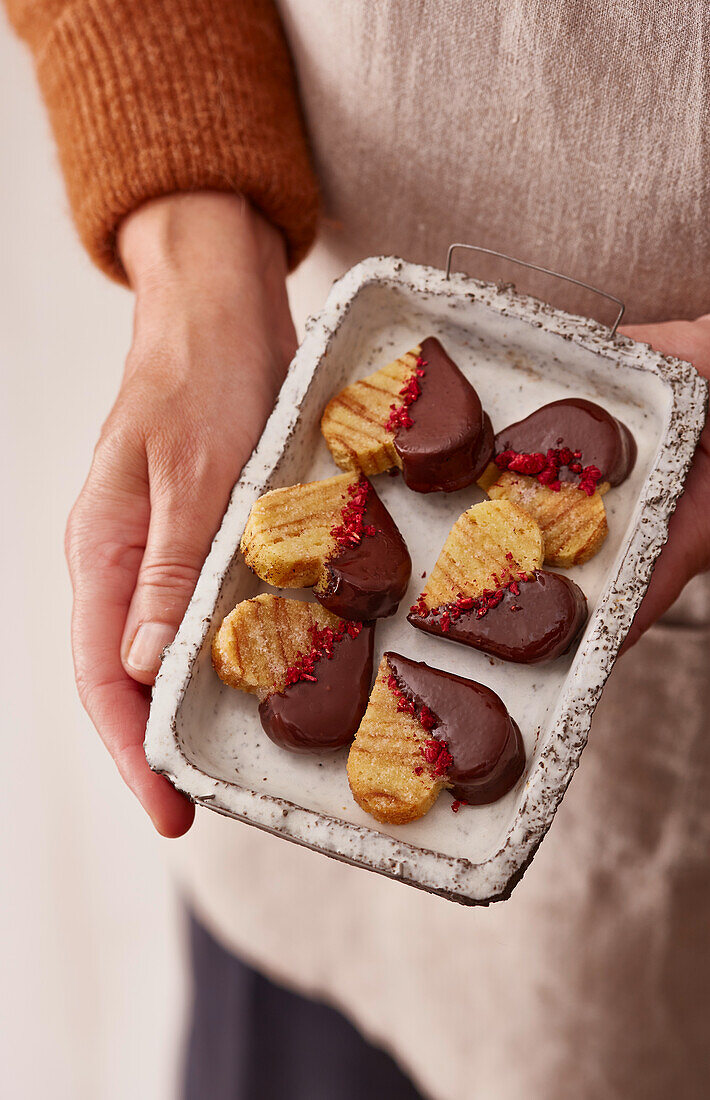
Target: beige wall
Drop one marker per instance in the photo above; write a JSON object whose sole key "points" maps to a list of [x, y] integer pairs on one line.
{"points": [[90, 971]]}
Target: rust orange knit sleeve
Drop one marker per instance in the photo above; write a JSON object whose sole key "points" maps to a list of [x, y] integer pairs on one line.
{"points": [[151, 96]]}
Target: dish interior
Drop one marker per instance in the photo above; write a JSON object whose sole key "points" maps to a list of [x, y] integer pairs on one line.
{"points": [[515, 367]]}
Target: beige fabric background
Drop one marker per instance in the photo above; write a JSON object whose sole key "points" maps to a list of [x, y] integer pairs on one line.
{"points": [[572, 134]]}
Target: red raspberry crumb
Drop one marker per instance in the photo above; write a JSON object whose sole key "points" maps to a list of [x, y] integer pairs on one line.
{"points": [[324, 641], [351, 529], [420, 607], [588, 482], [481, 605], [410, 392], [503, 459], [437, 755], [550, 477], [531, 464], [546, 468], [426, 717]]}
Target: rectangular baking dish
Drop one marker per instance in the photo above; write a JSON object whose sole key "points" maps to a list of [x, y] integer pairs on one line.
{"points": [[519, 353]]}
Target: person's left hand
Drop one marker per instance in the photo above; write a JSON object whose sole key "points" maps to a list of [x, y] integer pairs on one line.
{"points": [[212, 339], [687, 551]]}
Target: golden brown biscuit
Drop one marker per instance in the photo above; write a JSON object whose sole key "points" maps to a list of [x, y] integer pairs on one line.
{"points": [[310, 670], [489, 476], [289, 533], [573, 524], [420, 414], [487, 589], [335, 536], [354, 422], [490, 542], [387, 772], [262, 638], [426, 729]]}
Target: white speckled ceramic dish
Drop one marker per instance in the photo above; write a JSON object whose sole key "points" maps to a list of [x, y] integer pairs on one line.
{"points": [[519, 354]]}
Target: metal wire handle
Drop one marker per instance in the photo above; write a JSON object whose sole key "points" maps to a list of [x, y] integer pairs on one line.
{"points": [[544, 270]]}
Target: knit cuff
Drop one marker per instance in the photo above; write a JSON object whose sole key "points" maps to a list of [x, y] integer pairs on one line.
{"points": [[148, 97]]}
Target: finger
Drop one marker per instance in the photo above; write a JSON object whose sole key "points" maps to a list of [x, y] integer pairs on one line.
{"points": [[104, 548], [686, 553], [689, 340], [667, 583], [687, 550], [182, 526]]}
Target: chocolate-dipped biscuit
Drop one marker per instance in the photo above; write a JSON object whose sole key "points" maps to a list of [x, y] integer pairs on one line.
{"points": [[368, 578], [418, 413], [335, 536], [310, 670], [483, 741], [487, 589], [449, 441], [425, 730]]}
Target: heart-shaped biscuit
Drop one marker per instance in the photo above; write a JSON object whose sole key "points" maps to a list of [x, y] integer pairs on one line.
{"points": [[335, 536], [596, 439], [557, 463], [420, 414], [310, 669], [425, 729], [487, 589]]}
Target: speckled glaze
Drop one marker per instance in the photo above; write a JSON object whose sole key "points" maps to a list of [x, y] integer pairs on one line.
{"points": [[519, 353]]}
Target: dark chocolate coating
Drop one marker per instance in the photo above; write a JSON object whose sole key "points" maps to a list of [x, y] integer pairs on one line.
{"points": [[484, 741], [323, 716], [450, 442], [580, 425], [367, 581], [553, 611]]}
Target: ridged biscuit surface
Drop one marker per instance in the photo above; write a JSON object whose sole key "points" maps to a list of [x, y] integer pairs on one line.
{"points": [[573, 524], [262, 638], [353, 422], [487, 543], [288, 536], [386, 769]]}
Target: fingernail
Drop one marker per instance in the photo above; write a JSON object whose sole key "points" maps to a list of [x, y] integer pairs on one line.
{"points": [[148, 645]]}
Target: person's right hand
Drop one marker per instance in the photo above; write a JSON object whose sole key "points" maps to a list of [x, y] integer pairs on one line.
{"points": [[212, 339]]}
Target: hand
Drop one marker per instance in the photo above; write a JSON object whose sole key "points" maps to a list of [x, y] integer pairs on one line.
{"points": [[212, 339], [687, 551]]}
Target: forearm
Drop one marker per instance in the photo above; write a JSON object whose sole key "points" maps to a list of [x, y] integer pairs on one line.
{"points": [[150, 97], [209, 254]]}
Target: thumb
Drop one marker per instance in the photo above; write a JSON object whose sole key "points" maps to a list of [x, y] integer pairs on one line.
{"points": [[179, 538]]}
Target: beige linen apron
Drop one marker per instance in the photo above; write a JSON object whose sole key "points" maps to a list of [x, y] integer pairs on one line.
{"points": [[574, 135]]}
